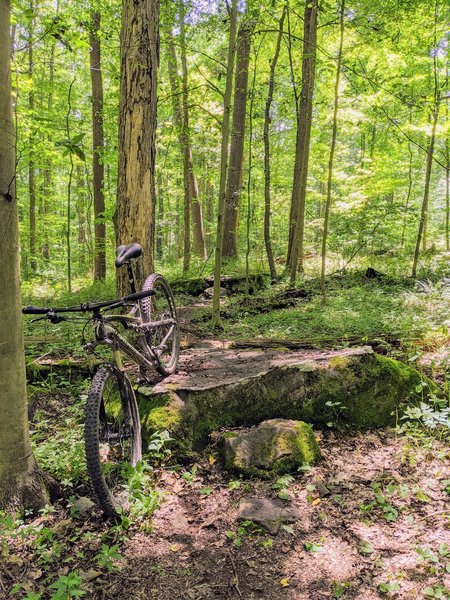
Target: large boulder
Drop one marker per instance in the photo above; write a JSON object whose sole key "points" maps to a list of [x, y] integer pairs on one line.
{"points": [[276, 446], [346, 389]]}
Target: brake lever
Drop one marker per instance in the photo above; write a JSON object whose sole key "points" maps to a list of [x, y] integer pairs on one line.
{"points": [[38, 319], [52, 317]]}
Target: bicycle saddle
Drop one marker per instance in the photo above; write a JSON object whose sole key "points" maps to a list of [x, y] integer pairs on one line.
{"points": [[125, 253]]}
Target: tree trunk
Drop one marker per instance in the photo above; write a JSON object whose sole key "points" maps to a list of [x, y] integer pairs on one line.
{"points": [[198, 234], [421, 234], [135, 212], [192, 206], [69, 194], [31, 169], [332, 150], [447, 172], [298, 201], [224, 163], [22, 485], [81, 215], [48, 179], [426, 192], [234, 183], [159, 228], [408, 193], [98, 170], [267, 120]]}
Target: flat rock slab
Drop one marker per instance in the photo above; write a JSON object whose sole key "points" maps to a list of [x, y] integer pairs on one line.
{"points": [[268, 513], [219, 389], [206, 368]]}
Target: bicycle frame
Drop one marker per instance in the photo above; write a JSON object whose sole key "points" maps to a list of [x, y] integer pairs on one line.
{"points": [[106, 333]]}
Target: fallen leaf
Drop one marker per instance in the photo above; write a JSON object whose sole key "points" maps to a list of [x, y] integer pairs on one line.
{"points": [[284, 582], [175, 547]]}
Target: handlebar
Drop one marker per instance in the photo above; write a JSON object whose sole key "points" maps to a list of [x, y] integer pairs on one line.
{"points": [[88, 306]]}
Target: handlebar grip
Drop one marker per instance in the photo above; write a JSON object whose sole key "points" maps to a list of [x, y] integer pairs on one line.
{"points": [[35, 310], [139, 295]]}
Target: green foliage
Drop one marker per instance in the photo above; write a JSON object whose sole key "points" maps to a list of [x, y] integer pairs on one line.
{"points": [[107, 556], [281, 486], [157, 450], [59, 446], [67, 587]]}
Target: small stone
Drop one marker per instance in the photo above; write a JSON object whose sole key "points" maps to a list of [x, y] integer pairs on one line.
{"points": [[90, 575], [277, 445], [61, 527], [83, 505], [209, 292], [270, 514]]}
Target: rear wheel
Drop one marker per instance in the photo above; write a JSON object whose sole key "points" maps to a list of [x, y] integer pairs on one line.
{"points": [[112, 438], [163, 337]]}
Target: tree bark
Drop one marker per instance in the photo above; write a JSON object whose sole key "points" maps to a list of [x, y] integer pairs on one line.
{"points": [[421, 234], [81, 215], [180, 101], [224, 163], [22, 485], [267, 120], [48, 178], [447, 170], [298, 200], [98, 170], [159, 230], [139, 55], [31, 169], [234, 182], [426, 192], [332, 150]]}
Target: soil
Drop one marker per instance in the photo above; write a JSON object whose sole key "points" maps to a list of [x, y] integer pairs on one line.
{"points": [[346, 544]]}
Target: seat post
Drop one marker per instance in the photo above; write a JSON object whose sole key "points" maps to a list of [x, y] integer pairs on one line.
{"points": [[131, 277]]}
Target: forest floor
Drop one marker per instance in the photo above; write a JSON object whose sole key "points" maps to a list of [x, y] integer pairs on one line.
{"points": [[375, 523], [373, 516]]}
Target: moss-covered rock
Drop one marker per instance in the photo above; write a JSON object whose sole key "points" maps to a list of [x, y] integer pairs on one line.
{"points": [[276, 446], [351, 389], [193, 286]]}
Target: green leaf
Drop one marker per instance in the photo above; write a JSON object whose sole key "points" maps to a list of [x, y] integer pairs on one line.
{"points": [[283, 495]]}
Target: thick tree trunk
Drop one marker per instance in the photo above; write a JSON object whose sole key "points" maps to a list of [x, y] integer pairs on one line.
{"points": [[98, 170], [135, 213], [22, 485], [298, 201], [267, 120], [234, 183], [332, 150], [224, 163]]}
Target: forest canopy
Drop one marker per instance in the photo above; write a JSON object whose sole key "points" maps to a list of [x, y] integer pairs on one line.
{"points": [[375, 162]]}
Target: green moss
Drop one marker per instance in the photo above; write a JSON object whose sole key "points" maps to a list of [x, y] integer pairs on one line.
{"points": [[193, 286], [360, 391], [276, 446], [159, 412]]}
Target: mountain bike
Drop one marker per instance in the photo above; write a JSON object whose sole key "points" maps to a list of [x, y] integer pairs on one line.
{"points": [[112, 424]]}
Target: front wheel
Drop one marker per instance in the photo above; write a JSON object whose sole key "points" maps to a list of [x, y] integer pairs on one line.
{"points": [[112, 438], [159, 314]]}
